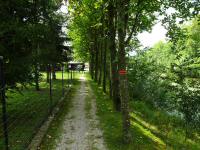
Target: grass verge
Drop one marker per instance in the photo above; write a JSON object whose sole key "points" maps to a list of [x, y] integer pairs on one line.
{"points": [[55, 129], [163, 128], [151, 129], [27, 111]]}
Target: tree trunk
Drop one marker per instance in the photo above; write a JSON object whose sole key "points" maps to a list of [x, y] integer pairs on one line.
{"points": [[36, 47], [36, 72], [100, 62], [47, 71], [113, 56], [92, 64], [54, 72], [104, 65], [96, 59], [92, 53], [110, 85], [101, 42], [124, 94]]}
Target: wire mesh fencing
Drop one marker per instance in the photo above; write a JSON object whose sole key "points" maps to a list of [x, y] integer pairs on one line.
{"points": [[22, 114]]}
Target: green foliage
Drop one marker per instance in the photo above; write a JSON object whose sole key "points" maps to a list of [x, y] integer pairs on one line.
{"points": [[148, 131], [85, 19], [147, 71], [117, 23], [168, 130], [27, 111], [30, 33], [111, 124], [167, 76], [187, 70]]}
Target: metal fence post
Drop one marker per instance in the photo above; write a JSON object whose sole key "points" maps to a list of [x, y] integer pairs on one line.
{"points": [[68, 77], [71, 76], [50, 87], [3, 100], [63, 79]]}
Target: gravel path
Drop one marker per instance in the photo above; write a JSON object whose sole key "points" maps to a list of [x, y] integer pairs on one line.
{"points": [[80, 128]]}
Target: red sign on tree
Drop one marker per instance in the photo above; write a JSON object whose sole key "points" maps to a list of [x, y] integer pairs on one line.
{"points": [[122, 72]]}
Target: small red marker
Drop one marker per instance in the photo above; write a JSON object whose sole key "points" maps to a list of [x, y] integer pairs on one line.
{"points": [[122, 72]]}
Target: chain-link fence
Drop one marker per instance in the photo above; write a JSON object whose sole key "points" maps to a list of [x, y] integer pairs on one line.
{"points": [[23, 113]]}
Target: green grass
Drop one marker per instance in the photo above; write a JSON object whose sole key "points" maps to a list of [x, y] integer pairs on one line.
{"points": [[151, 129], [169, 129], [27, 111]]}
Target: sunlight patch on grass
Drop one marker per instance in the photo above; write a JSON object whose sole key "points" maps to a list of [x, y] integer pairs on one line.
{"points": [[150, 135], [144, 123], [197, 136]]}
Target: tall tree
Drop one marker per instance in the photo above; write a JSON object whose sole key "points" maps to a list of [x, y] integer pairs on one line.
{"points": [[126, 19], [25, 32], [113, 53]]}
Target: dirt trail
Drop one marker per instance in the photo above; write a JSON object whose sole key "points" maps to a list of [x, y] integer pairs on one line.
{"points": [[80, 128]]}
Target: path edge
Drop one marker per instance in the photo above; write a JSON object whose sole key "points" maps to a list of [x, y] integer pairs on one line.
{"points": [[38, 137]]}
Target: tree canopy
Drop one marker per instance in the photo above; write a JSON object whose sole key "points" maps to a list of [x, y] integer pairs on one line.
{"points": [[30, 33], [103, 31]]}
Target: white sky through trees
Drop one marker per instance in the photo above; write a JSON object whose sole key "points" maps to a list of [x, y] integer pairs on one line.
{"points": [[147, 39], [157, 34]]}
